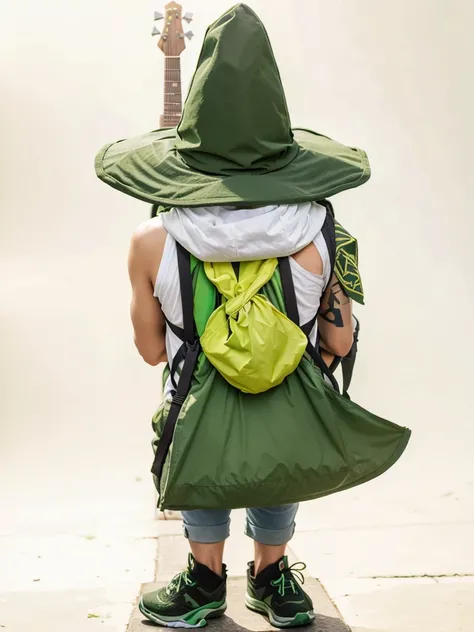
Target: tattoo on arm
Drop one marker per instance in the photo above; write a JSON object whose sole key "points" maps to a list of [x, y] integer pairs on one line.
{"points": [[337, 298]]}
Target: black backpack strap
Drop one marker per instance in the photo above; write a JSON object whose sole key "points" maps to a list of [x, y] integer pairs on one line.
{"points": [[291, 305], [178, 331], [184, 386], [347, 363], [188, 332], [319, 362], [187, 293], [189, 352], [288, 288], [329, 233], [308, 327], [174, 368]]}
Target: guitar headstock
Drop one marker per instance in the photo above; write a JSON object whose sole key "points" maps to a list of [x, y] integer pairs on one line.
{"points": [[172, 38]]}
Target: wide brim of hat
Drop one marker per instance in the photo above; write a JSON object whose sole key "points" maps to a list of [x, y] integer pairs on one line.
{"points": [[150, 169]]}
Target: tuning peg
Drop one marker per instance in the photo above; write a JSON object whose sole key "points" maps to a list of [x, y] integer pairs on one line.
{"points": [[188, 17], [155, 32], [158, 16], [189, 35]]}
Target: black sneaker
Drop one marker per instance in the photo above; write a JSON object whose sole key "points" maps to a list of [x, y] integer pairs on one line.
{"points": [[189, 600], [276, 593]]}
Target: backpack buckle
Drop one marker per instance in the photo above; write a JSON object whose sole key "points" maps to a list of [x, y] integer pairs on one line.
{"points": [[179, 400], [193, 347]]}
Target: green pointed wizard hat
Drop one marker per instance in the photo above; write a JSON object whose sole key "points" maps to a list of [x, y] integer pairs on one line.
{"points": [[234, 144]]}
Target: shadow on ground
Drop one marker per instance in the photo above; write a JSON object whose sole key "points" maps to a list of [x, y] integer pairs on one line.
{"points": [[240, 619], [322, 624]]}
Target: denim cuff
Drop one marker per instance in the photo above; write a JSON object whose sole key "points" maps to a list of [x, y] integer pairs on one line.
{"points": [[207, 535], [270, 537]]}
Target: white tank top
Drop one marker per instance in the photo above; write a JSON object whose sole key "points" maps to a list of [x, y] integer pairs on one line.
{"points": [[309, 288]]}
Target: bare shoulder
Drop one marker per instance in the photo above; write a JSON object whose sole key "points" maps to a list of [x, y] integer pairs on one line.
{"points": [[149, 234], [147, 245], [310, 259]]}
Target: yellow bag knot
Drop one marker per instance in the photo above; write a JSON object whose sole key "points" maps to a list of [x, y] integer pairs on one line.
{"points": [[252, 344]]}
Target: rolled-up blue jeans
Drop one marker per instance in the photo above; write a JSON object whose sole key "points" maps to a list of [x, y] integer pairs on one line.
{"points": [[273, 526]]}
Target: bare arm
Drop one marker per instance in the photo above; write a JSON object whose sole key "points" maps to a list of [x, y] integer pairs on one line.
{"points": [[148, 320], [335, 320]]}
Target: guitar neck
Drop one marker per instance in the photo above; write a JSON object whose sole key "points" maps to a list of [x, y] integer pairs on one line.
{"points": [[173, 97]]}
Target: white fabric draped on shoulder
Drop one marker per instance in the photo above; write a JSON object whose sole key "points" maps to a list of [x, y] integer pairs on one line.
{"points": [[225, 234]]}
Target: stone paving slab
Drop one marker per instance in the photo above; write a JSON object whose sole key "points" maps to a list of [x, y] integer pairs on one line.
{"points": [[387, 552], [239, 619], [75, 563], [406, 605], [73, 583], [66, 611]]}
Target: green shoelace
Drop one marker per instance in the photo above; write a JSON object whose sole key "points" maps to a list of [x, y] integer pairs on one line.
{"points": [[181, 580], [286, 581]]}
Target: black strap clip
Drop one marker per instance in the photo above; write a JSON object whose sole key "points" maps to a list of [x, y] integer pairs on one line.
{"points": [[179, 399]]}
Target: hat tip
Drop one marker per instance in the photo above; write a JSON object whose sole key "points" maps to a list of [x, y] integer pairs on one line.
{"points": [[242, 6]]}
